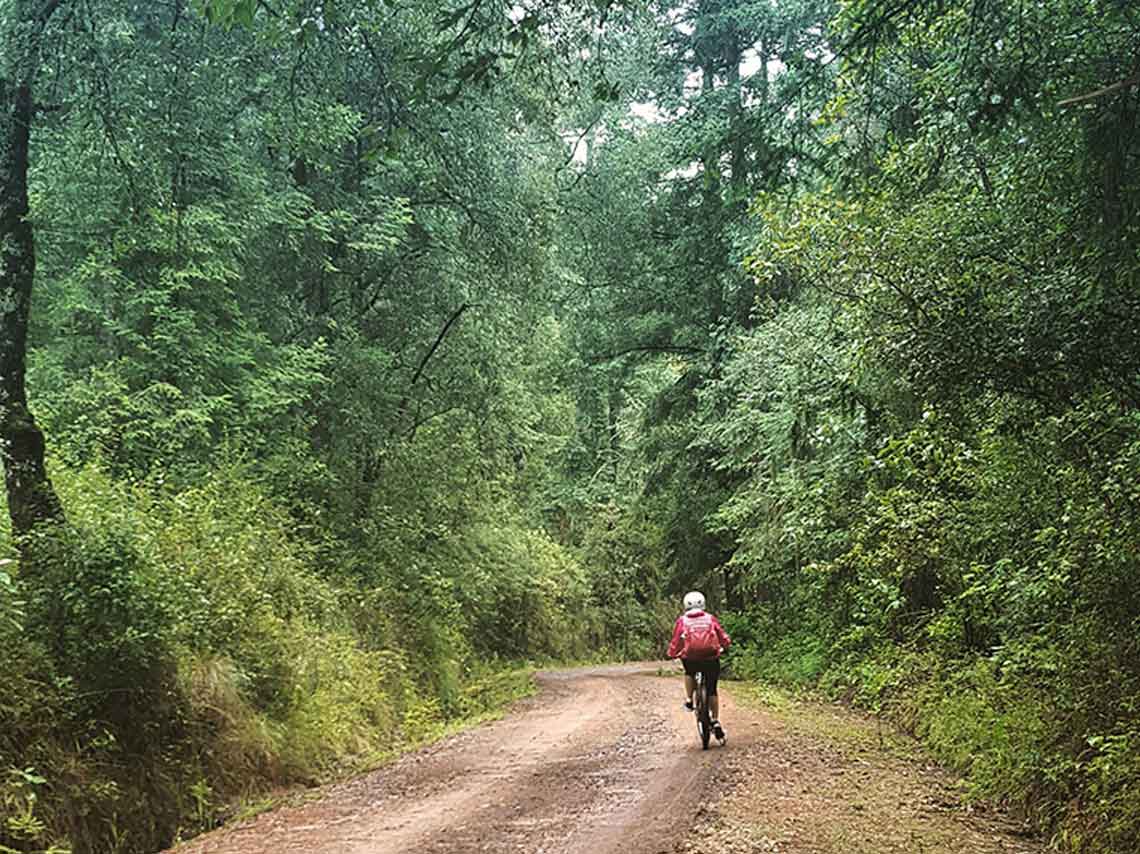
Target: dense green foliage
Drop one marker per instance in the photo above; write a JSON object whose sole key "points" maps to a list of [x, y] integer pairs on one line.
{"points": [[188, 647], [892, 419], [296, 353], [380, 346]]}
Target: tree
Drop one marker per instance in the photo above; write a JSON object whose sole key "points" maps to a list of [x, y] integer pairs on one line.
{"points": [[717, 105], [23, 28]]}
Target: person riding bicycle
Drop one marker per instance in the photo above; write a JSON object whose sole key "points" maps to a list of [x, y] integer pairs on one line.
{"points": [[698, 640]]}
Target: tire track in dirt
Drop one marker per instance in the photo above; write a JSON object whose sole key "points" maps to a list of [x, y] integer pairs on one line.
{"points": [[589, 765], [604, 760]]}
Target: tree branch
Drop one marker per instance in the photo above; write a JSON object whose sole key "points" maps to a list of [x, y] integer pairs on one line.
{"points": [[402, 406], [1100, 93], [438, 340]]}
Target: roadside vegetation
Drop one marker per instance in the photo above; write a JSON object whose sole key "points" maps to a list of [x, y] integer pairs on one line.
{"points": [[354, 354]]}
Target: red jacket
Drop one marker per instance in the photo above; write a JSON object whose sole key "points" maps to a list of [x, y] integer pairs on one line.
{"points": [[688, 621]]}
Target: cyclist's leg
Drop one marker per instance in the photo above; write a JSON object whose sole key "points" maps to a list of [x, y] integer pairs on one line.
{"points": [[712, 676], [690, 682]]}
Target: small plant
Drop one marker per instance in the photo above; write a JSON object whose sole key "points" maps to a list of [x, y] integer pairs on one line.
{"points": [[23, 826]]}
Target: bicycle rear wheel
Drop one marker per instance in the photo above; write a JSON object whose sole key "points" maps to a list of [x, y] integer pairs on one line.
{"points": [[704, 722]]}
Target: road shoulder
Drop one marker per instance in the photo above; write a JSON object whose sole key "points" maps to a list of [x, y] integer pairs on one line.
{"points": [[815, 777]]}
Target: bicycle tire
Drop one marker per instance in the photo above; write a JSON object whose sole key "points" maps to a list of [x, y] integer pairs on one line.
{"points": [[697, 702], [704, 721]]}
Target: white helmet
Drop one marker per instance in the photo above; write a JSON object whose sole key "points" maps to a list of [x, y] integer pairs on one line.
{"points": [[694, 601]]}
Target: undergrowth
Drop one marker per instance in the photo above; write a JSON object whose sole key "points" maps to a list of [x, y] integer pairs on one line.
{"points": [[168, 656], [1026, 744]]}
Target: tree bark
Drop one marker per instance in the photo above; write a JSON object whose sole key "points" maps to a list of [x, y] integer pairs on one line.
{"points": [[739, 165], [31, 498], [705, 50]]}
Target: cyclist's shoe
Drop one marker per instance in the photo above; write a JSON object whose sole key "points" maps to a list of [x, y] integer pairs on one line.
{"points": [[687, 705], [718, 731]]}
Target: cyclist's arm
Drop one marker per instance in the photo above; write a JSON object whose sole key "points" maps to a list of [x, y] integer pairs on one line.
{"points": [[676, 644], [721, 634]]}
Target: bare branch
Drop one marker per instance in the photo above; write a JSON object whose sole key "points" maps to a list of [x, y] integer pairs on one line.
{"points": [[402, 406], [1126, 83], [438, 340]]}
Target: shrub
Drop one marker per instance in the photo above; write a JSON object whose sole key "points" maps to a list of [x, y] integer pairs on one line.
{"points": [[170, 651]]}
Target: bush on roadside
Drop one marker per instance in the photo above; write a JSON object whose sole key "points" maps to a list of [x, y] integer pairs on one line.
{"points": [[171, 652]]}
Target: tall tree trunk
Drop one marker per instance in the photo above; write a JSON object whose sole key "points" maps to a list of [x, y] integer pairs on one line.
{"points": [[613, 430], [31, 498], [705, 50], [739, 165]]}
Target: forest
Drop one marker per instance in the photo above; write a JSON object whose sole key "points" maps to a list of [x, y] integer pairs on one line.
{"points": [[357, 354]]}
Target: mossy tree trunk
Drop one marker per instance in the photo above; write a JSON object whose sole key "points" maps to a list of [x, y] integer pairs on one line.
{"points": [[31, 498]]}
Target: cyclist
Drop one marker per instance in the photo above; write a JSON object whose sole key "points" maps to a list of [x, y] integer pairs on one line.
{"points": [[698, 640]]}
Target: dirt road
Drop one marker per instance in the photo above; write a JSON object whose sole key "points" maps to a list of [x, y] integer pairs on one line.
{"points": [[605, 760]]}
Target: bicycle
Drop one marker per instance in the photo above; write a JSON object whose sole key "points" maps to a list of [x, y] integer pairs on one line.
{"points": [[701, 711]]}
